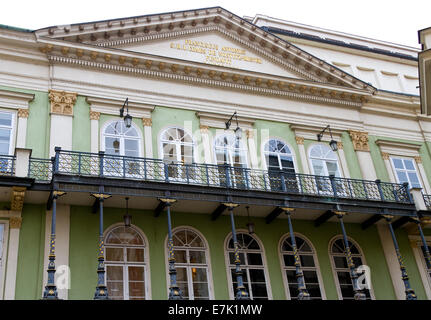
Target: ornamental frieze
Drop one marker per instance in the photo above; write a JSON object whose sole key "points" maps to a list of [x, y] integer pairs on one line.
{"points": [[17, 198], [360, 140], [62, 102], [15, 222]]}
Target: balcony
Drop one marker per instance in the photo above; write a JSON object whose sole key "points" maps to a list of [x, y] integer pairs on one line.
{"points": [[7, 165], [427, 199], [103, 166]]}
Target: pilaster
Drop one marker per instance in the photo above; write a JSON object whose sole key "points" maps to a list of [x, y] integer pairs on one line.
{"points": [[148, 137], [362, 149], [302, 154]]}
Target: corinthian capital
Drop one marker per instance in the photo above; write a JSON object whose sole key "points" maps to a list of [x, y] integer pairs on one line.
{"points": [[62, 102], [360, 140]]}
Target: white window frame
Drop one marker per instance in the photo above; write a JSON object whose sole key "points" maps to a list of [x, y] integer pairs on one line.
{"points": [[334, 271], [4, 251], [310, 158], [177, 144], [13, 129], [394, 170], [229, 266], [189, 266], [284, 268], [103, 135], [264, 152], [243, 149], [124, 265]]}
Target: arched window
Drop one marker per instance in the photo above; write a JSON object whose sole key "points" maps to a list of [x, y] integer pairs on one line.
{"points": [[230, 150], [324, 161], [278, 156], [308, 260], [120, 140], [176, 145], [126, 264], [252, 266], [192, 265], [341, 268]]}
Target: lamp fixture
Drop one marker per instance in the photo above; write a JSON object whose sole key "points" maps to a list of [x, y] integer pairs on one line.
{"points": [[127, 117], [127, 217], [250, 225], [238, 130], [332, 143]]}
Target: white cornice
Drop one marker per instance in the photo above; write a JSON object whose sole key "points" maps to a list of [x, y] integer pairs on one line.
{"points": [[15, 100], [218, 120], [112, 106], [310, 132], [398, 148]]}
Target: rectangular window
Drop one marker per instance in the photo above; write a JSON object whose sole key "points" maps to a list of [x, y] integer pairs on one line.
{"points": [[405, 170], [6, 126]]}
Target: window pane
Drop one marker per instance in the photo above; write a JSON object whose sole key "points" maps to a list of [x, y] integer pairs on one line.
{"points": [[135, 255], [114, 254], [289, 259], [332, 168], [181, 274], [259, 290], [5, 119], [340, 262], [136, 290], [344, 277], [414, 180], [199, 275], [409, 164], [115, 290], [254, 259], [200, 290], [180, 256], [232, 258], [398, 163], [402, 176], [257, 275], [307, 261], [136, 274], [197, 256], [114, 273], [318, 167], [310, 277]]}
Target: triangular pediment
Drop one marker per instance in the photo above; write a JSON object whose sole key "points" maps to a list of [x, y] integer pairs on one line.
{"points": [[213, 48]]}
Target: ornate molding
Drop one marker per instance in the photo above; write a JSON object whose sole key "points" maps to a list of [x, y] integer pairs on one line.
{"points": [[360, 140], [418, 159], [15, 222], [62, 102], [147, 122], [385, 156], [17, 198], [249, 133], [204, 129], [23, 113], [340, 145], [94, 115], [299, 140]]}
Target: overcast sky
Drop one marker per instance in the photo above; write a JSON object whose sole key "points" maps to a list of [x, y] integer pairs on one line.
{"points": [[389, 20]]}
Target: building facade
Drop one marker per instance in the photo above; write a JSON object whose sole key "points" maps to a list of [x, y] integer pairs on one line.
{"points": [[256, 158]]}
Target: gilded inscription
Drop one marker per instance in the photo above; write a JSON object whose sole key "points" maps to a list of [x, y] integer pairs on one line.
{"points": [[215, 54]]}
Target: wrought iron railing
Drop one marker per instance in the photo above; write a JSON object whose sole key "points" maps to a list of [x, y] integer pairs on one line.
{"points": [[7, 165], [427, 199], [40, 169], [223, 176]]}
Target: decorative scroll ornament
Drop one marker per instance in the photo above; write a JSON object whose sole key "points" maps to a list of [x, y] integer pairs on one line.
{"points": [[147, 122], [299, 140], [360, 140], [15, 222], [62, 102], [385, 156], [17, 198], [204, 129]]}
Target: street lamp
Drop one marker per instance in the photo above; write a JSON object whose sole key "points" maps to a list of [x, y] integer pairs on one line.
{"points": [[332, 143], [127, 117], [238, 130], [127, 217]]}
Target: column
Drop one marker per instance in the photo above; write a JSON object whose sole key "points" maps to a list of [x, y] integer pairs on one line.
{"points": [[343, 161], [62, 238], [206, 144], [12, 257], [388, 166], [148, 137], [302, 154], [21, 128], [252, 149], [423, 175], [391, 260], [360, 145], [94, 131], [61, 119], [409, 292]]}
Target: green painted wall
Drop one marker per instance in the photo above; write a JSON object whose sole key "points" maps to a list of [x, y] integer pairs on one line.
{"points": [[163, 117], [84, 241], [31, 253], [376, 156], [38, 123], [81, 136], [351, 157]]}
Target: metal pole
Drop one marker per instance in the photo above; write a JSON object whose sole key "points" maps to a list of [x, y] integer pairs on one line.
{"points": [[410, 294], [174, 290], [50, 292], [241, 292], [303, 293], [101, 289], [359, 295], [426, 249]]}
